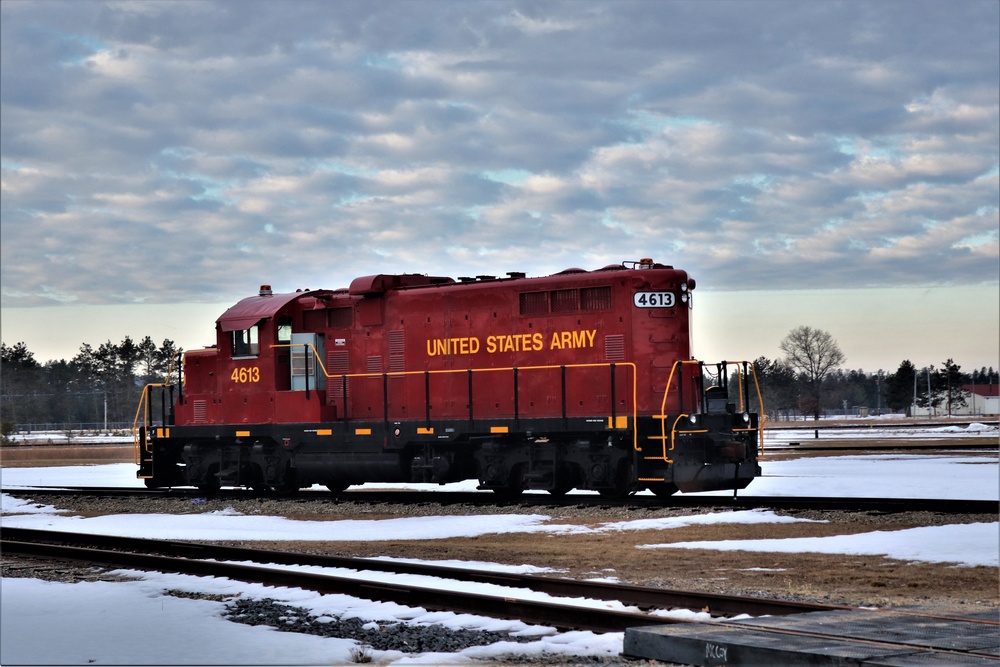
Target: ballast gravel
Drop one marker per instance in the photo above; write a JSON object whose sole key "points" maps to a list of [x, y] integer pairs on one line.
{"points": [[319, 508], [404, 637]]}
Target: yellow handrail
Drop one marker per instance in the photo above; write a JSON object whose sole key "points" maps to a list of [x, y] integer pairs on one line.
{"points": [[739, 380], [144, 403], [144, 408], [635, 439]]}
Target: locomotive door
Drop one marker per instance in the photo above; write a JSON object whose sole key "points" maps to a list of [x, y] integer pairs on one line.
{"points": [[306, 373], [661, 335]]}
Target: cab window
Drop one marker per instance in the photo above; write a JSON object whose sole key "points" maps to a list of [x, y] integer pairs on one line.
{"points": [[285, 330], [245, 342]]}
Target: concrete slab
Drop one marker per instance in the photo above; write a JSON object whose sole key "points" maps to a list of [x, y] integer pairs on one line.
{"points": [[837, 638]]}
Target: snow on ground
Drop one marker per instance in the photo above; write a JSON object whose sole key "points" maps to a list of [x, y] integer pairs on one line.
{"points": [[964, 544], [232, 525], [953, 476], [823, 431], [135, 622], [962, 476]]}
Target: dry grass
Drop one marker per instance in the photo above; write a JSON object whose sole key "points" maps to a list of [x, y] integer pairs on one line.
{"points": [[836, 579], [26, 456]]}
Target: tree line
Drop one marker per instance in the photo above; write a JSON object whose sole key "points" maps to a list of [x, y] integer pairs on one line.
{"points": [[97, 385], [105, 383], [809, 381]]}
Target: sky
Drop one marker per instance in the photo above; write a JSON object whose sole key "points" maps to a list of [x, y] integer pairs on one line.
{"points": [[88, 613], [835, 165]]}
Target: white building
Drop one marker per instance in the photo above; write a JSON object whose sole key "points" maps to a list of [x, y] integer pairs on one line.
{"points": [[980, 400], [984, 399]]}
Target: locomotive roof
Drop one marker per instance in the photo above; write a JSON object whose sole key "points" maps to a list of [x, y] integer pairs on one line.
{"points": [[253, 309]]}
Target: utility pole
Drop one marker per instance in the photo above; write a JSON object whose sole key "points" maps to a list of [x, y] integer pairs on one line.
{"points": [[928, 391], [975, 374], [878, 394], [948, 380]]}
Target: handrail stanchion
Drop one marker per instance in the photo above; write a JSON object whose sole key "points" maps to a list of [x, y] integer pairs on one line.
{"points": [[427, 398], [614, 422], [563, 394]]}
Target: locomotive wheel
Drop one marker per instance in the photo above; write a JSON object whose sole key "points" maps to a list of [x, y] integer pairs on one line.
{"points": [[212, 483], [289, 483], [515, 481], [663, 489], [337, 488], [621, 488], [562, 480]]}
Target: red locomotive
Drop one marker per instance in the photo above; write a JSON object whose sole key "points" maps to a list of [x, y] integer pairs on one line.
{"points": [[582, 379]]}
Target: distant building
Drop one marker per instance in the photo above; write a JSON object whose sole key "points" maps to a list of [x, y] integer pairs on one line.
{"points": [[984, 399], [981, 399]]}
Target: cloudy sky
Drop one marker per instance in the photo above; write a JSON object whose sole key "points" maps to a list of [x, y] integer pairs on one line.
{"points": [[833, 164]]}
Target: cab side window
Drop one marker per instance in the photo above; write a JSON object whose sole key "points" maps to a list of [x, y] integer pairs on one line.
{"points": [[245, 343], [285, 330]]}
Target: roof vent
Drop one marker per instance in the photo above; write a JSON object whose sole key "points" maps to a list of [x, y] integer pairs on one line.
{"points": [[265, 290]]}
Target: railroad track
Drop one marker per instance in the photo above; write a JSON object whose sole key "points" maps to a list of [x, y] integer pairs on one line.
{"points": [[867, 631], [487, 499], [622, 606]]}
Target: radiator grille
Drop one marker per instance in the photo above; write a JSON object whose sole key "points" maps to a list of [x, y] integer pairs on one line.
{"points": [[337, 363], [341, 318], [534, 303], [565, 300], [595, 298]]}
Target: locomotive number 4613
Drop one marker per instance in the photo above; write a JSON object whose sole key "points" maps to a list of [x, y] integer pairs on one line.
{"points": [[653, 299], [244, 374]]}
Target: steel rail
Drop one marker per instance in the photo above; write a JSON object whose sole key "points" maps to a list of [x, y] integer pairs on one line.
{"points": [[489, 499], [562, 616], [643, 597]]}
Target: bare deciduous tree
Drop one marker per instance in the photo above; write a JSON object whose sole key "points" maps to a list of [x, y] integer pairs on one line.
{"points": [[814, 354]]}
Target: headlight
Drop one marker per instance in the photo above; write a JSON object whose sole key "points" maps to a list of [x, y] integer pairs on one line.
{"points": [[684, 297], [684, 287], [693, 419], [746, 418]]}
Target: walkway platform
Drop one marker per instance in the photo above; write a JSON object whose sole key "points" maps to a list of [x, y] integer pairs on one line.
{"points": [[898, 638]]}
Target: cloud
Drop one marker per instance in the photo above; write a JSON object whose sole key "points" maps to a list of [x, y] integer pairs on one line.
{"points": [[167, 152]]}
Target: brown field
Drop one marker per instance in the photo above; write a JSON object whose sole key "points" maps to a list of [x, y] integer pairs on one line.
{"points": [[32, 456], [833, 579]]}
